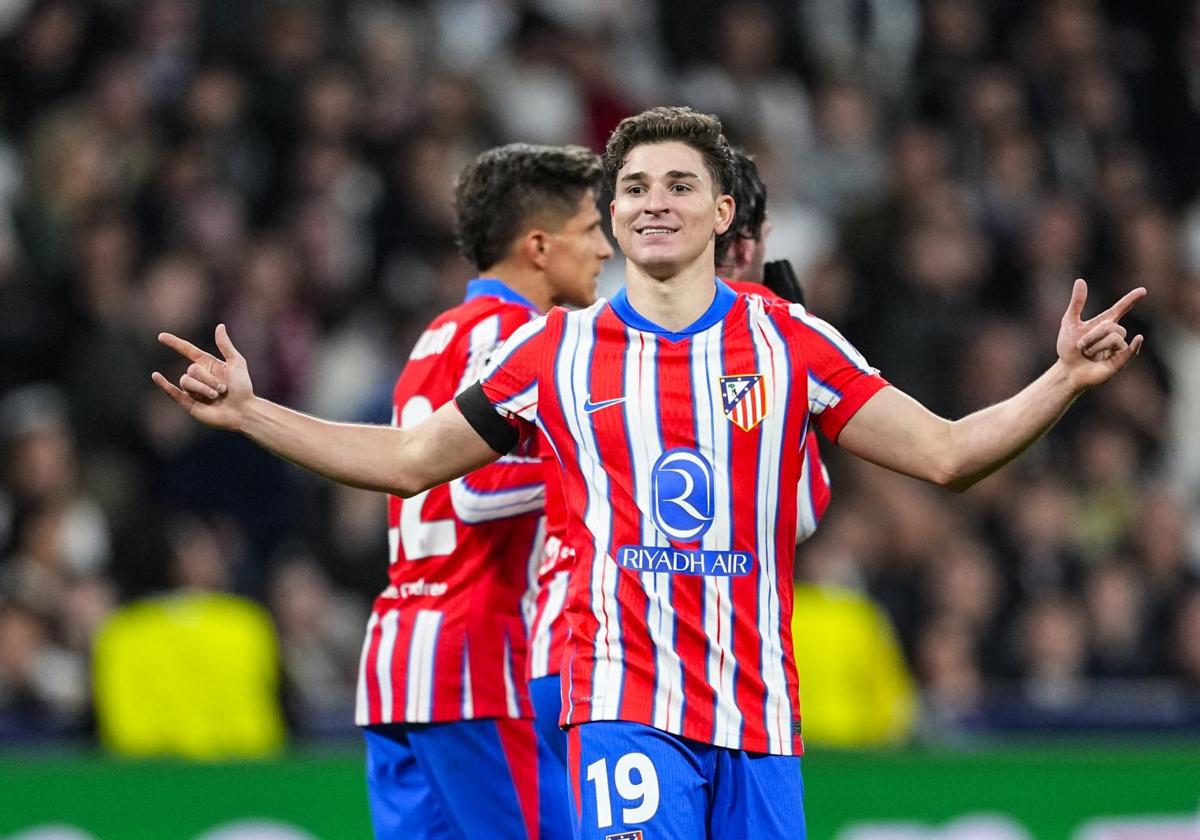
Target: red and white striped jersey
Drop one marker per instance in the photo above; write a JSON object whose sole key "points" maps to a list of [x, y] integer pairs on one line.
{"points": [[548, 590], [446, 639], [813, 494], [681, 454]]}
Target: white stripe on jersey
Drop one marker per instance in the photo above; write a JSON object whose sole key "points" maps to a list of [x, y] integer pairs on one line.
{"points": [[510, 686], [571, 379], [383, 663], [362, 707], [772, 350], [538, 555], [483, 341], [542, 638], [421, 652], [806, 514], [472, 507], [819, 396], [393, 543], [713, 432], [645, 437], [468, 696]]}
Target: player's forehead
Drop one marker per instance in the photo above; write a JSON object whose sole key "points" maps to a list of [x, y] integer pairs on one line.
{"points": [[663, 159]]}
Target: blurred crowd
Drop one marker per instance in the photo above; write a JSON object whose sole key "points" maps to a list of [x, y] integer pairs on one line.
{"points": [[939, 172]]}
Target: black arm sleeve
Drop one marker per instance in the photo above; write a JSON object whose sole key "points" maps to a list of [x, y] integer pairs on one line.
{"points": [[497, 432]]}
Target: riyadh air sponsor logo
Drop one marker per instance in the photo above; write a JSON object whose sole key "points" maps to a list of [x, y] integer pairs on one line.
{"points": [[744, 399], [682, 497], [590, 407], [682, 486], [648, 558]]}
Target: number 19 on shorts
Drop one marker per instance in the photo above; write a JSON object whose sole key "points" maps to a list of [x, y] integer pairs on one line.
{"points": [[636, 785]]}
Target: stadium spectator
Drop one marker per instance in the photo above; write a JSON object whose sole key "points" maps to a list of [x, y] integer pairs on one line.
{"points": [[193, 673]]}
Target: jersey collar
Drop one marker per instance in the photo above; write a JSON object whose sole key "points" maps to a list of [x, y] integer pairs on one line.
{"points": [[492, 287], [717, 310]]}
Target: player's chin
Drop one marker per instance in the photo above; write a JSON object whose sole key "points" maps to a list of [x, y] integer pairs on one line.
{"points": [[657, 261]]}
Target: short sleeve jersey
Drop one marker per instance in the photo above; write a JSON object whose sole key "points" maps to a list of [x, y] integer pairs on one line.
{"points": [[446, 639], [681, 454], [547, 595]]}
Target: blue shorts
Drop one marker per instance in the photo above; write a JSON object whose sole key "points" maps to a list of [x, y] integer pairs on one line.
{"points": [[634, 782], [460, 780], [554, 791]]}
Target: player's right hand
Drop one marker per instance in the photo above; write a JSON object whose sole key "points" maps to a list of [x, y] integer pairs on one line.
{"points": [[214, 391]]}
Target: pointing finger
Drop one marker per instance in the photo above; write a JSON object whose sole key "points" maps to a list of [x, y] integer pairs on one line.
{"points": [[185, 348], [1119, 309]]}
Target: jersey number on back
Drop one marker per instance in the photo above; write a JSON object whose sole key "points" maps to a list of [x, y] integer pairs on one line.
{"points": [[419, 538]]}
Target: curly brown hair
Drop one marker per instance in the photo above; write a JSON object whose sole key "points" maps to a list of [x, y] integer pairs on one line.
{"points": [[506, 190], [665, 124]]}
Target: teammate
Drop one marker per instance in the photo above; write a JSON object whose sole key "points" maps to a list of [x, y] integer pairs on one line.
{"points": [[678, 412], [442, 690], [740, 254]]}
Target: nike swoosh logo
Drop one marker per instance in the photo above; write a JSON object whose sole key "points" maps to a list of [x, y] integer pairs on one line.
{"points": [[589, 407]]}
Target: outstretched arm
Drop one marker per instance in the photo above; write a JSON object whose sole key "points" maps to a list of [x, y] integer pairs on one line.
{"points": [[895, 431], [219, 393]]}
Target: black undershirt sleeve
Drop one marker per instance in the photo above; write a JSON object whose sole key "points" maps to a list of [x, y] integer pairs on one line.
{"points": [[497, 432]]}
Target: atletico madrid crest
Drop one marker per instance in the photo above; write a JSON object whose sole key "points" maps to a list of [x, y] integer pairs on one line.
{"points": [[745, 399]]}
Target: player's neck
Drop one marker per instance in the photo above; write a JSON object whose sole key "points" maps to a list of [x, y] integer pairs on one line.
{"points": [[528, 283], [673, 302]]}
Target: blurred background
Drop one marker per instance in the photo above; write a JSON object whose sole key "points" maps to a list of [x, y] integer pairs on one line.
{"points": [[939, 172]]}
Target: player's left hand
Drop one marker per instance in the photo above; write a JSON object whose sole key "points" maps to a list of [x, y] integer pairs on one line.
{"points": [[1094, 350]]}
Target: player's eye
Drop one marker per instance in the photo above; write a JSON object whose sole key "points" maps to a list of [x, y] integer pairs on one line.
{"points": [[681, 188], [635, 189]]}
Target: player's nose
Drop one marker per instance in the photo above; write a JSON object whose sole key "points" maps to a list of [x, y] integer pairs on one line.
{"points": [[656, 199]]}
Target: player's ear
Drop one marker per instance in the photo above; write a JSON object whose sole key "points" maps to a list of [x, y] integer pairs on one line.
{"points": [[724, 213], [535, 247], [612, 216]]}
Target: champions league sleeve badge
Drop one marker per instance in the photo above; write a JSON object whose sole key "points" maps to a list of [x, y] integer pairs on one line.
{"points": [[744, 398]]}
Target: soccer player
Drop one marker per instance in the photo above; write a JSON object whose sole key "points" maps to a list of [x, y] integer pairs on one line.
{"points": [[678, 412], [442, 690], [739, 253]]}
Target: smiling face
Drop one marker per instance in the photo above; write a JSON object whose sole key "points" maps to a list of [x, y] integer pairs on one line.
{"points": [[666, 211], [575, 253]]}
